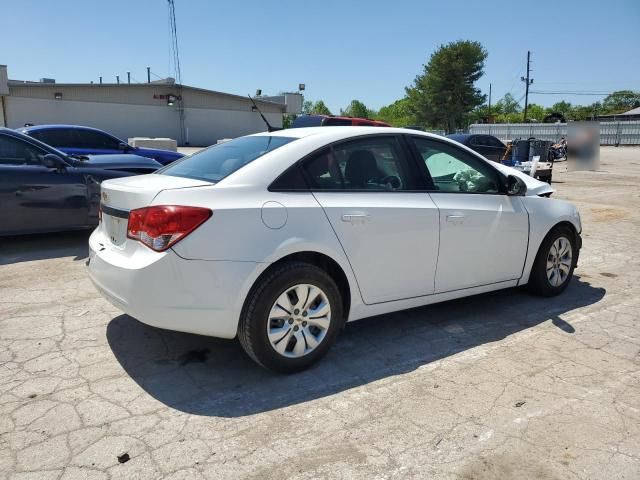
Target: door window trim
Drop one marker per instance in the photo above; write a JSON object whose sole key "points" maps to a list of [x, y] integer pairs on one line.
{"points": [[412, 170], [476, 158]]}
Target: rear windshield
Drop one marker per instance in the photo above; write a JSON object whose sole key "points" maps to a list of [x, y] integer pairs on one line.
{"points": [[219, 161]]}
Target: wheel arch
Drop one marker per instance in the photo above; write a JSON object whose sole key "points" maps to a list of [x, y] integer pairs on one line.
{"points": [[320, 260]]}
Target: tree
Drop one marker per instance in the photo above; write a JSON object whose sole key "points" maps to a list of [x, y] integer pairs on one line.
{"points": [[398, 114], [320, 108], [535, 113], [357, 109], [307, 107], [562, 107], [445, 93], [507, 104], [621, 101]]}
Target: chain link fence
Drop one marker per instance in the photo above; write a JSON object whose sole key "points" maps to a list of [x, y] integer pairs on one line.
{"points": [[611, 133]]}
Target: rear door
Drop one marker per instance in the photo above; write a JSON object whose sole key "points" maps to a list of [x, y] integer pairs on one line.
{"points": [[483, 232], [387, 225]]}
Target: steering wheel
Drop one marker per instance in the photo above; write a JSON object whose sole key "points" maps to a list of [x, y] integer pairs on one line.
{"points": [[392, 181]]}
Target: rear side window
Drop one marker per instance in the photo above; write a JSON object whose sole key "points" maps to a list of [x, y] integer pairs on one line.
{"points": [[220, 161], [373, 164], [54, 137], [337, 122]]}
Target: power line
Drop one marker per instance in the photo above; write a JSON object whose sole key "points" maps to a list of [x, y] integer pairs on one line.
{"points": [[568, 92]]}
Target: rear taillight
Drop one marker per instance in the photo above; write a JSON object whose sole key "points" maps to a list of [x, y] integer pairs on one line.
{"points": [[161, 226]]}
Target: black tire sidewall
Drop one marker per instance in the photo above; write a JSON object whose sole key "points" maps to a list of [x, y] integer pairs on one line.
{"points": [[538, 279], [257, 315]]}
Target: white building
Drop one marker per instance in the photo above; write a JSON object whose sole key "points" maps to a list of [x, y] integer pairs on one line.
{"points": [[140, 109]]}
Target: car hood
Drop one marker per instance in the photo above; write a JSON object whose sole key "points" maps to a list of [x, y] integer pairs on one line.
{"points": [[534, 187], [118, 160], [158, 151]]}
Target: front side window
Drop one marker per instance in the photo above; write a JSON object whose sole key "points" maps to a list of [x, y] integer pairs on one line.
{"points": [[452, 170], [15, 152], [220, 161], [375, 163]]}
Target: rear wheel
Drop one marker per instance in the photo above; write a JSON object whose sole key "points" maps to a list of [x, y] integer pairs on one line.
{"points": [[554, 264], [291, 318]]}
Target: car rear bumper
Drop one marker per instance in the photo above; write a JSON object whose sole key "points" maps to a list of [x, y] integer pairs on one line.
{"points": [[166, 291]]}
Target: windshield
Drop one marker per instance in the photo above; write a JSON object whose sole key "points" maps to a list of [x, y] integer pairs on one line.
{"points": [[219, 161]]}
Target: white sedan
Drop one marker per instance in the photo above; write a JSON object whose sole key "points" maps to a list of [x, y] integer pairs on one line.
{"points": [[281, 238]]}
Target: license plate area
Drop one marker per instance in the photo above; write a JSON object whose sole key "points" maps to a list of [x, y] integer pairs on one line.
{"points": [[114, 223]]}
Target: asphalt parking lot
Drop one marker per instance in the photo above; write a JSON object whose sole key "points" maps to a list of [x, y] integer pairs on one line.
{"points": [[502, 385]]}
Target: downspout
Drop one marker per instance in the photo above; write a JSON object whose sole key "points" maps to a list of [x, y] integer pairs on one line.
{"points": [[4, 111]]}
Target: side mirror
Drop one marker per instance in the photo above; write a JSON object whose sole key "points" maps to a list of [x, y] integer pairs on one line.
{"points": [[123, 146], [51, 160], [516, 186]]}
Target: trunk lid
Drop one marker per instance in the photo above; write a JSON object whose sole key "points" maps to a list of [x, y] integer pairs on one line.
{"points": [[119, 196]]}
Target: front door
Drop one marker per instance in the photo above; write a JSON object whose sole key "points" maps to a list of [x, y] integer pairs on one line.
{"points": [[483, 232], [34, 197], [387, 227]]}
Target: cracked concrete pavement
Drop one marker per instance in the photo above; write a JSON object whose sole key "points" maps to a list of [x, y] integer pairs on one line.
{"points": [[503, 385]]}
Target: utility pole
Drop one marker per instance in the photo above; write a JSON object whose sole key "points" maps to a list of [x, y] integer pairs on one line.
{"points": [[118, 79], [489, 114], [527, 82], [128, 77], [148, 74]]}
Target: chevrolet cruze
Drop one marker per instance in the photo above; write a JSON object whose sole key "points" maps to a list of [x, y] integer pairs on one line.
{"points": [[281, 238]]}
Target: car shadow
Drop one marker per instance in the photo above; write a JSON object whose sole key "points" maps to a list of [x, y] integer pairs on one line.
{"points": [[25, 248], [213, 377]]}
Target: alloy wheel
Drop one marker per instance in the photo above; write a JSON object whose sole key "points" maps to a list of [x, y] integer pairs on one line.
{"points": [[299, 320], [559, 261]]}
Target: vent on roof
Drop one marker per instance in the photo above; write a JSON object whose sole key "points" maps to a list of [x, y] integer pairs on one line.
{"points": [[47, 80]]}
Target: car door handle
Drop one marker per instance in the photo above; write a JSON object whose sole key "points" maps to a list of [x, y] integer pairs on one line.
{"points": [[455, 218], [355, 217]]}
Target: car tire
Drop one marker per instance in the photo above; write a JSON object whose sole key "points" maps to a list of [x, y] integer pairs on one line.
{"points": [[552, 269], [274, 313]]}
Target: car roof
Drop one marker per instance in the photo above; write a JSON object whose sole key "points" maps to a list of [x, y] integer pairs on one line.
{"points": [[339, 132], [35, 128]]}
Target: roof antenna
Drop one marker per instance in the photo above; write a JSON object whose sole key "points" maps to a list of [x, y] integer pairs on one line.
{"points": [[264, 119]]}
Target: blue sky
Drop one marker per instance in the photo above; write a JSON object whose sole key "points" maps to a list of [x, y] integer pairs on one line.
{"points": [[369, 50]]}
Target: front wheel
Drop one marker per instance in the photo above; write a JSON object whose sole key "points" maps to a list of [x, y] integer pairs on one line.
{"points": [[554, 264], [291, 318]]}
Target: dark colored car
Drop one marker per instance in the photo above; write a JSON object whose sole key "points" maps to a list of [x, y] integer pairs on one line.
{"points": [[331, 121], [486, 145], [43, 189], [78, 140]]}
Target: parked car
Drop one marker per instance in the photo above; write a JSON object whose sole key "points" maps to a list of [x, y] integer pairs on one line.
{"points": [[333, 121], [280, 238], [78, 140], [486, 145], [43, 189]]}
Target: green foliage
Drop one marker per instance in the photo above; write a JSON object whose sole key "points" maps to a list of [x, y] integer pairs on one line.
{"points": [[357, 109], [398, 114], [444, 95], [320, 108], [621, 101], [507, 105]]}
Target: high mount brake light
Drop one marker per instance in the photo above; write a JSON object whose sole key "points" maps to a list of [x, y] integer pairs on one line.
{"points": [[162, 226]]}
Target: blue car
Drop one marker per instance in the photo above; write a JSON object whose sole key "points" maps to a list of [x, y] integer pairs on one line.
{"points": [[78, 140]]}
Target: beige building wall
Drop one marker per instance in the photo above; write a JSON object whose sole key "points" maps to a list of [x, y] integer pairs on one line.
{"points": [[132, 111]]}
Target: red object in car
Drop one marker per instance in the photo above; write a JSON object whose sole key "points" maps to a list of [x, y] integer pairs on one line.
{"points": [[331, 121]]}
